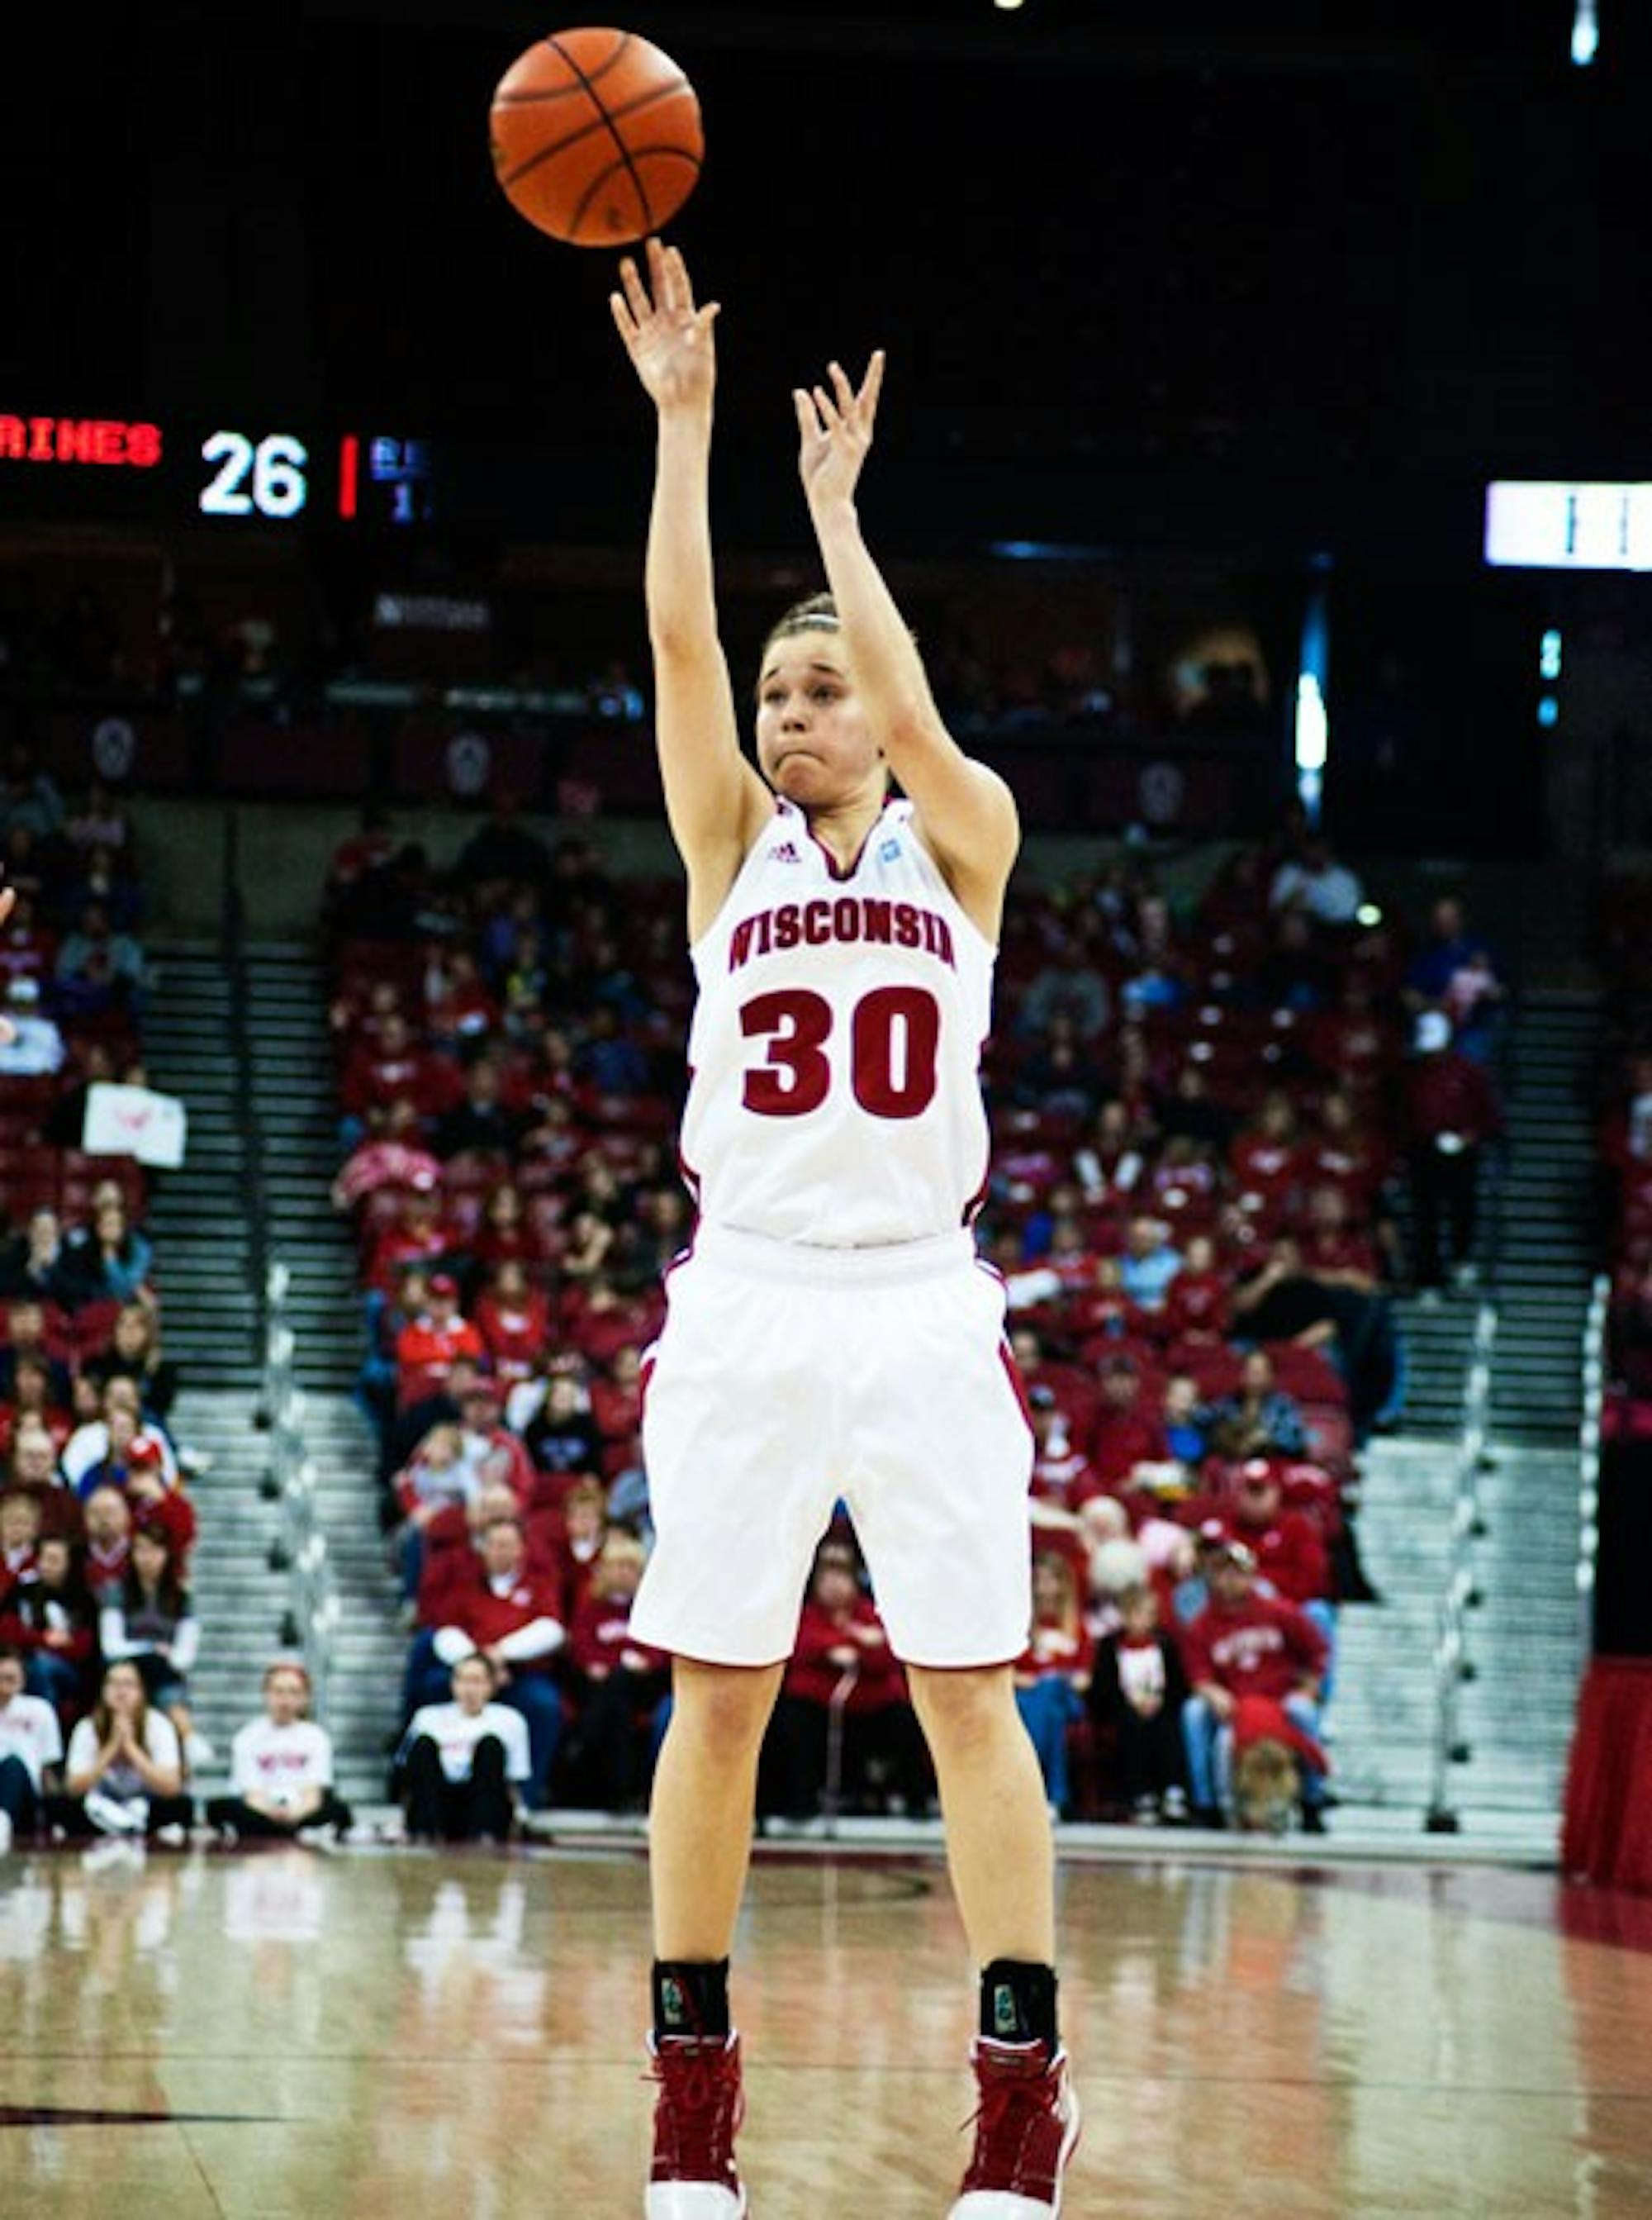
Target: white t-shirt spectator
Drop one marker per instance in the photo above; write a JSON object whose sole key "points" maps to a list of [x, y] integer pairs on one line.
{"points": [[278, 1763], [1331, 894], [456, 1734], [124, 1782], [29, 1730], [35, 1050]]}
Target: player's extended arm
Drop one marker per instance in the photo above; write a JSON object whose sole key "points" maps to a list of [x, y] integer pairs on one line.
{"points": [[966, 812], [714, 800]]}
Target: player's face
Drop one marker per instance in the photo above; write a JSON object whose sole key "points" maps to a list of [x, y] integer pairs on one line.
{"points": [[813, 742]]}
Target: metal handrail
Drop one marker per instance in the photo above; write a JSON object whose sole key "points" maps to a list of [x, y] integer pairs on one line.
{"points": [[299, 1548], [1588, 1493], [1453, 1664]]}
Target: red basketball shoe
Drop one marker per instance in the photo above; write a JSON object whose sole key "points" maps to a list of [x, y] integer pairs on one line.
{"points": [[697, 2116], [1026, 2130]]}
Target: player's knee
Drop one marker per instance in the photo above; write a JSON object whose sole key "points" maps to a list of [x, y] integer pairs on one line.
{"points": [[964, 1711], [725, 1707]]}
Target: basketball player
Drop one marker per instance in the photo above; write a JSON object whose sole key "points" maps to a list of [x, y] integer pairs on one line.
{"points": [[831, 1332]]}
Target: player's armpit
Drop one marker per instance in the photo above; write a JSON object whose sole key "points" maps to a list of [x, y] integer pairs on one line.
{"points": [[965, 816]]}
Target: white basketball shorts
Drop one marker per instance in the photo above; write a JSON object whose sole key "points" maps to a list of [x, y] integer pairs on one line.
{"points": [[786, 1377]]}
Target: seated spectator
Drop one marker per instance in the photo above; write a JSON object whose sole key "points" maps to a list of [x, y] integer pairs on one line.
{"points": [[31, 1046], [562, 1436], [127, 1445], [134, 1353], [514, 1318], [491, 1455], [124, 1774], [30, 1409], [108, 1516], [462, 1761], [111, 1260], [584, 1530], [433, 1480], [1259, 1420], [622, 1685], [1127, 1434], [1243, 1643], [49, 1616], [1283, 1301], [842, 1666], [31, 1330], [19, 1536], [33, 1263], [1265, 1161], [1138, 1690], [281, 1768], [1455, 970], [393, 1156], [1067, 986], [1197, 1307], [503, 1611], [1150, 1263], [1315, 883], [480, 1123], [427, 1346], [98, 969], [153, 1624], [31, 1750], [1185, 1434], [1052, 1674], [1063, 1476]]}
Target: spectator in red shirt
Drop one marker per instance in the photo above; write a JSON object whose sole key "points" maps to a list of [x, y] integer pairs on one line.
{"points": [[418, 1238], [1450, 1111], [1127, 1433], [1197, 1307], [513, 1320], [584, 1509], [621, 1684], [393, 1156], [842, 1666], [1243, 1643], [427, 1346], [513, 1619], [395, 1064]]}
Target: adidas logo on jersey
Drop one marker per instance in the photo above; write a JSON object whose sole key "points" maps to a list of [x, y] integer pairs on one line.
{"points": [[787, 852]]}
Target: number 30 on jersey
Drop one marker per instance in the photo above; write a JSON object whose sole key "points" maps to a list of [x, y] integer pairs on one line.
{"points": [[894, 1034]]}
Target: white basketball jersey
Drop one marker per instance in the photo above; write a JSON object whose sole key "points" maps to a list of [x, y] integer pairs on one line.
{"points": [[834, 1093]]}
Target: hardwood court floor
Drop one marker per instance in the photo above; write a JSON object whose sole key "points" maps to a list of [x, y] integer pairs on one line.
{"points": [[288, 2036]]}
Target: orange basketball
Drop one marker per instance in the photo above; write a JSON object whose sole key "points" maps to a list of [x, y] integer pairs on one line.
{"points": [[595, 136]]}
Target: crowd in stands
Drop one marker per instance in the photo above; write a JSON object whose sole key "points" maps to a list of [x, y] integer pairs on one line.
{"points": [[1204, 1121]]}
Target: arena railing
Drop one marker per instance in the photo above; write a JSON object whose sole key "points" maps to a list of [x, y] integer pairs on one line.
{"points": [[1588, 1493], [1453, 1664], [309, 1623]]}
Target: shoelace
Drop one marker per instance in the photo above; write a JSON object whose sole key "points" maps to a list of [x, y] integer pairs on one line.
{"points": [[999, 2098], [707, 2099]]}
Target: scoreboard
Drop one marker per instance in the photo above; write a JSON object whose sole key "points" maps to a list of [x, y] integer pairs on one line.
{"points": [[117, 469]]}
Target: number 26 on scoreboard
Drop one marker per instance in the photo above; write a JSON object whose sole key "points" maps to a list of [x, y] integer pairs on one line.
{"points": [[255, 478]]}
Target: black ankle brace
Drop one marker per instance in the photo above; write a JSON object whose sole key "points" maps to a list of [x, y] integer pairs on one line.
{"points": [[691, 1997], [1018, 2001]]}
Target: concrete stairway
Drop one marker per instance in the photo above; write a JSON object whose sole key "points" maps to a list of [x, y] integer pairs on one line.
{"points": [[203, 1218]]}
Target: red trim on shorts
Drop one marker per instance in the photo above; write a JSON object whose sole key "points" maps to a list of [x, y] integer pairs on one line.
{"points": [[1018, 1386], [645, 1372]]}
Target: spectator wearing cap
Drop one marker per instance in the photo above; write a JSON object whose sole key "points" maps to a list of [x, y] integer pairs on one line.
{"points": [[513, 1619], [1291, 1556], [428, 1345], [1137, 1696], [1244, 1644], [1258, 1419], [1126, 1434], [1449, 1112], [490, 1454], [33, 1049]]}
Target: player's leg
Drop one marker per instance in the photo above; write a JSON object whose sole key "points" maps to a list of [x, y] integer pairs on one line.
{"points": [[699, 1848]]}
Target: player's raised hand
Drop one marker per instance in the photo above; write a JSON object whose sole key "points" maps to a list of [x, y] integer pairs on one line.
{"points": [[668, 339], [835, 432]]}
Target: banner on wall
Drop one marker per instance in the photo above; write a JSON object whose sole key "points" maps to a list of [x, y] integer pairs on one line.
{"points": [[136, 1121]]}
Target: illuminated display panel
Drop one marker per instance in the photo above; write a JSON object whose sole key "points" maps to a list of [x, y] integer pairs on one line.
{"points": [[1554, 525]]}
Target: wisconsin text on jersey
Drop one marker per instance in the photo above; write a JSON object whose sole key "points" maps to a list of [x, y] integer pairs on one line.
{"points": [[848, 917]]}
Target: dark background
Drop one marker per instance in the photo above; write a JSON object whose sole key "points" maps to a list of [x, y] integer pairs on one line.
{"points": [[1165, 283]]}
